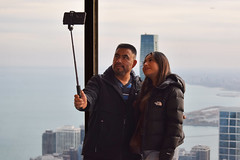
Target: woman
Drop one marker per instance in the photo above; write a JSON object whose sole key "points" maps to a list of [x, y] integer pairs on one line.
{"points": [[160, 110]]}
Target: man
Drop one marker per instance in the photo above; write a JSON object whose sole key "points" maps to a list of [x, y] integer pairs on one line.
{"points": [[109, 98]]}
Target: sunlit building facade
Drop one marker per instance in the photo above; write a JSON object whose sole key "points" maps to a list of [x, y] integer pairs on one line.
{"points": [[198, 152], [202, 152], [229, 134], [67, 137], [149, 43]]}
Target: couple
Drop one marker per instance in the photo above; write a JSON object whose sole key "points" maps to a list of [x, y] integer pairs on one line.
{"points": [[130, 119]]}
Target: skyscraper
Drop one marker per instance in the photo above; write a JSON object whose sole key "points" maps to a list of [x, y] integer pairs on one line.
{"points": [[48, 142], [198, 152], [202, 152], [82, 134], [72, 154], [229, 133], [67, 137], [149, 43]]}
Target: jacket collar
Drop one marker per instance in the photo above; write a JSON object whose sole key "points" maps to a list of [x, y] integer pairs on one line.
{"points": [[175, 80], [109, 76]]}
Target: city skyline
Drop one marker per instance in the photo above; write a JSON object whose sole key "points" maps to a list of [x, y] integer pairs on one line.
{"points": [[198, 152], [190, 32], [64, 140]]}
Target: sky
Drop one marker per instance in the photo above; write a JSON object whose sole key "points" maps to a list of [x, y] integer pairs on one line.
{"points": [[192, 33]]}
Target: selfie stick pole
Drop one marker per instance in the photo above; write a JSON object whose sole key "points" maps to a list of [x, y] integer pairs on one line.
{"points": [[70, 27]]}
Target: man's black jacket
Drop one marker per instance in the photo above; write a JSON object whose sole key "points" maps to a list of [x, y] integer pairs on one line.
{"points": [[111, 122]]}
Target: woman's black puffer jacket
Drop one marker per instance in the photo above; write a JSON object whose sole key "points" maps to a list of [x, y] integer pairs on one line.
{"points": [[163, 119]]}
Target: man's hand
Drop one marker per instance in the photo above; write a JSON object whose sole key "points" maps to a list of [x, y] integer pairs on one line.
{"points": [[184, 117], [80, 103]]}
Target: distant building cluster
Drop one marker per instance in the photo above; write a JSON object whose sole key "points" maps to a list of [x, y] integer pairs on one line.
{"points": [[198, 152], [63, 144]]}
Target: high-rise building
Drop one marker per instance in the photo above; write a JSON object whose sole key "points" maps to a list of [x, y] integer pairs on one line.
{"points": [[67, 137], [54, 156], [229, 133], [48, 142], [198, 152], [71, 154], [202, 152], [82, 134], [149, 43], [80, 156]]}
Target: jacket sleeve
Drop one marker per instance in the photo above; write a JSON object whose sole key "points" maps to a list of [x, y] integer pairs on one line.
{"points": [[174, 120], [91, 91]]}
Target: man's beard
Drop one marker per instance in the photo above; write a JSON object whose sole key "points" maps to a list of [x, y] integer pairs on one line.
{"points": [[119, 72]]}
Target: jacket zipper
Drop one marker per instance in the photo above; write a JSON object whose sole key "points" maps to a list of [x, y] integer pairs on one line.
{"points": [[124, 123], [101, 127], [123, 132]]}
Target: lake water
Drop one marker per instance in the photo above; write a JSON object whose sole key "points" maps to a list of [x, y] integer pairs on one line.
{"points": [[35, 99]]}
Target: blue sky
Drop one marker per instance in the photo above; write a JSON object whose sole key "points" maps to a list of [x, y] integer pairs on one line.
{"points": [[192, 33]]}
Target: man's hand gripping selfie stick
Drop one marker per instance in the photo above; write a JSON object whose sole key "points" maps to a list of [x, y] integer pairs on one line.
{"points": [[71, 18]]}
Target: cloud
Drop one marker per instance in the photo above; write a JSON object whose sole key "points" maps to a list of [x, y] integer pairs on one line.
{"points": [[190, 31]]}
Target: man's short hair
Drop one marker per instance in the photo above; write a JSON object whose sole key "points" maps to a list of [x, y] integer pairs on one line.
{"points": [[127, 46]]}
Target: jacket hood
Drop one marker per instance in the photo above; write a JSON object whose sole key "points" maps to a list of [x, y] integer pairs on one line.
{"points": [[175, 80]]}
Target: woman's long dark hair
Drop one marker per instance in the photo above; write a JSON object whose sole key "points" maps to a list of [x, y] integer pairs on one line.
{"points": [[141, 103], [164, 71]]}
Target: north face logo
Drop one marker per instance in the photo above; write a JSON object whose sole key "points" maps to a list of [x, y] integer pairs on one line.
{"points": [[158, 103]]}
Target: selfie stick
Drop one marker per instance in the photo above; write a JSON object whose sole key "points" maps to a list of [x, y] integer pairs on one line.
{"points": [[71, 18], [70, 27]]}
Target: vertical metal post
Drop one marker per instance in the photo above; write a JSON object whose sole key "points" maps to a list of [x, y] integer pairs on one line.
{"points": [[91, 44]]}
